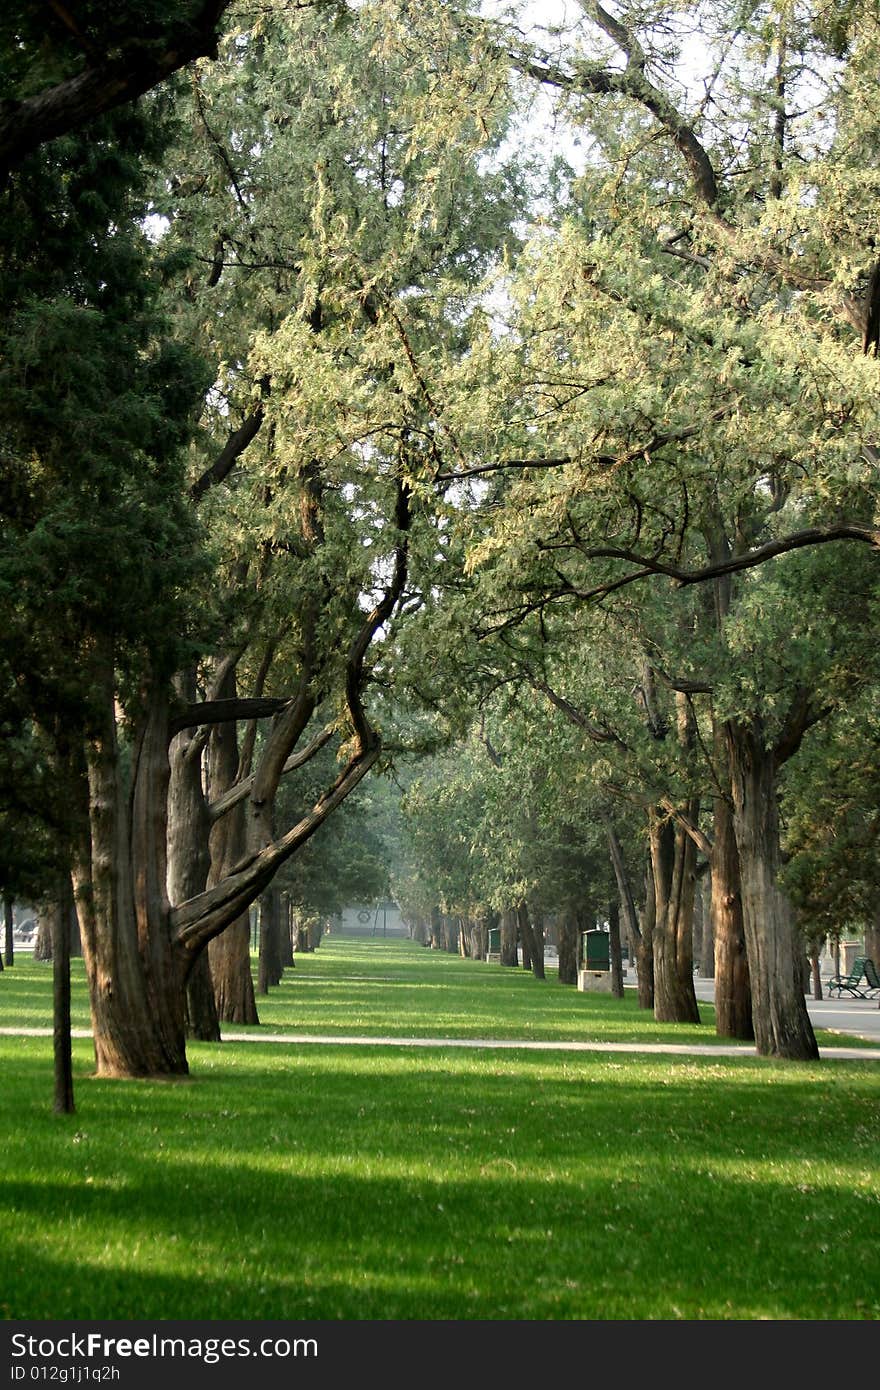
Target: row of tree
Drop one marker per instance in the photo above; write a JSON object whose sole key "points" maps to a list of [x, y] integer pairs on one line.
{"points": [[331, 402]]}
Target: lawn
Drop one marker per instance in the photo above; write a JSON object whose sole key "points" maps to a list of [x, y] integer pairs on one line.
{"points": [[331, 1182], [395, 988]]}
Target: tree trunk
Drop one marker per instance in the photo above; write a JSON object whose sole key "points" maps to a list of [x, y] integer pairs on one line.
{"points": [[733, 995], [509, 954], [775, 951], [697, 931], [61, 1041], [136, 979], [229, 953], [436, 929], [815, 971], [269, 969], [464, 934], [707, 945], [478, 939], [286, 933], [9, 920], [532, 950], [640, 937], [567, 947], [43, 934], [189, 863], [645, 953], [614, 949], [672, 861], [872, 939]]}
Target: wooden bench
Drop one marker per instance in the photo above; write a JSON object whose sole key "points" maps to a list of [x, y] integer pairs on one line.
{"points": [[850, 982]]}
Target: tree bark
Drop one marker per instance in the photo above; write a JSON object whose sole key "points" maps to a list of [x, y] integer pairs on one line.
{"points": [[189, 863], [672, 861], [532, 948], [640, 938], [436, 929], [269, 966], [509, 954], [614, 950], [229, 953], [286, 943], [43, 934], [62, 1047], [567, 948], [135, 975], [775, 951], [872, 939], [645, 954], [707, 945], [733, 995]]}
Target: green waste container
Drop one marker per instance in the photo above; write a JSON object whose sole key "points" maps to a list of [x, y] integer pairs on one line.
{"points": [[594, 950], [494, 941]]}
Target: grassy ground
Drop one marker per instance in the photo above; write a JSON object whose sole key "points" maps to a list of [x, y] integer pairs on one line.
{"points": [[340, 1183], [395, 988]]}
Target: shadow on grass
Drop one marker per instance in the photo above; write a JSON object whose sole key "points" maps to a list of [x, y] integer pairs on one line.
{"points": [[338, 1185]]}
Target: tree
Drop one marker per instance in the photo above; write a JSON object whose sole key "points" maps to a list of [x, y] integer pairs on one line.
{"points": [[690, 401], [123, 623], [61, 71]]}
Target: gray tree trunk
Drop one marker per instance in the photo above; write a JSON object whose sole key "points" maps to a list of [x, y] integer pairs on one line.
{"points": [[230, 953], [775, 951], [616, 960], [733, 995], [509, 953], [189, 863], [673, 861], [9, 924], [63, 1103]]}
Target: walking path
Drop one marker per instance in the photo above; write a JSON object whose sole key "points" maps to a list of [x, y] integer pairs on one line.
{"points": [[839, 1054]]}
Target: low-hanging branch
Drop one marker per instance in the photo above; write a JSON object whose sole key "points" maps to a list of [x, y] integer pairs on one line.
{"points": [[199, 919], [224, 711], [577, 717]]}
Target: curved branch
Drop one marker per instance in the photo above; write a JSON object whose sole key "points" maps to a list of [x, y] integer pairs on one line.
{"points": [[138, 66], [241, 790], [798, 540], [196, 922], [229, 454]]}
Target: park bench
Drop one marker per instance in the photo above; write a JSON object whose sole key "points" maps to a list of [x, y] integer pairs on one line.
{"points": [[851, 981], [872, 978]]}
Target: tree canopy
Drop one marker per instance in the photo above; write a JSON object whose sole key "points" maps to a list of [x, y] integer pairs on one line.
{"points": [[379, 377]]}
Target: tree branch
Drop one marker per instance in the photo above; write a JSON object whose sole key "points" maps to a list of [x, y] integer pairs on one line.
{"points": [[230, 453], [139, 65], [241, 790], [802, 715], [224, 711]]}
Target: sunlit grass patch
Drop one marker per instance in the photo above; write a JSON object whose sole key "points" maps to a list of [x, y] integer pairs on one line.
{"points": [[346, 1183]]}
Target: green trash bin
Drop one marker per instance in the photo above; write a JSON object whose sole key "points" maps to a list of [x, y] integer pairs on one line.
{"points": [[594, 950]]}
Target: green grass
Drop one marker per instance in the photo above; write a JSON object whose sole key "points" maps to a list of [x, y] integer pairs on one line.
{"points": [[395, 988], [329, 1182]]}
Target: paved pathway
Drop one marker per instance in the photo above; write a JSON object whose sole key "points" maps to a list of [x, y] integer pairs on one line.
{"points": [[844, 1054]]}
